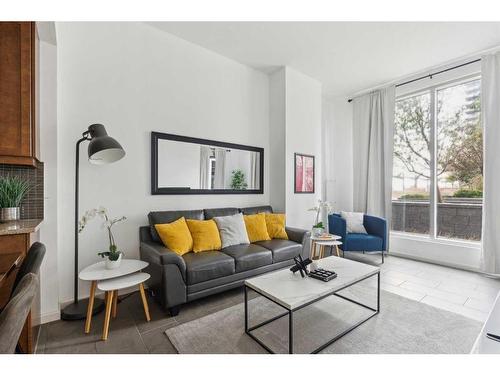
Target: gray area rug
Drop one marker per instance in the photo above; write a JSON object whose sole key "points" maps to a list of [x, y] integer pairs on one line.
{"points": [[402, 326]]}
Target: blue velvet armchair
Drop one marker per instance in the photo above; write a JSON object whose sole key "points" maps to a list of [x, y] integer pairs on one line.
{"points": [[375, 240]]}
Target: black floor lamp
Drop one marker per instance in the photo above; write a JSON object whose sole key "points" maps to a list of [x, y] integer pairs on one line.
{"points": [[102, 149]]}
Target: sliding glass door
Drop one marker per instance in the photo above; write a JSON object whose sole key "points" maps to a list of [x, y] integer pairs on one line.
{"points": [[438, 162]]}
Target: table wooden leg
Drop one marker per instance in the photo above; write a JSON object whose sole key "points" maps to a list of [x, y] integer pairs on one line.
{"points": [[115, 303], [90, 306], [109, 302], [321, 251], [144, 301], [312, 250], [337, 248]]}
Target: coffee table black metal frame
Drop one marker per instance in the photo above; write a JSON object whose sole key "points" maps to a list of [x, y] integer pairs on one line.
{"points": [[289, 312]]}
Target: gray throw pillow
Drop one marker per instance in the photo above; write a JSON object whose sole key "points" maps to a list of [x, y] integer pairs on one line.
{"points": [[232, 230]]}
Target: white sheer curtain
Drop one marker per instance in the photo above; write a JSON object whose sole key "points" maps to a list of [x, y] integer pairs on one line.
{"points": [[254, 180], [373, 143], [490, 111], [205, 172], [220, 168]]}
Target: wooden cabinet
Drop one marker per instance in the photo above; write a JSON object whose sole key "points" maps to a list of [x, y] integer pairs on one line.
{"points": [[18, 93]]}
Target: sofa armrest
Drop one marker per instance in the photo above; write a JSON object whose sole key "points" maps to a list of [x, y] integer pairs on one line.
{"points": [[161, 255], [376, 226], [302, 237], [338, 226], [296, 234]]}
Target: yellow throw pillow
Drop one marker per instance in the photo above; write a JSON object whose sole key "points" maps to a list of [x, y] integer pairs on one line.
{"points": [[256, 227], [176, 236], [205, 235], [275, 224]]}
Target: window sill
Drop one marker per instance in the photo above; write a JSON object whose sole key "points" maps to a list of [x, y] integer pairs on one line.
{"points": [[473, 245]]}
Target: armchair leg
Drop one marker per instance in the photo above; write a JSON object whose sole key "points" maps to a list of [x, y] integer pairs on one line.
{"points": [[382, 257]]}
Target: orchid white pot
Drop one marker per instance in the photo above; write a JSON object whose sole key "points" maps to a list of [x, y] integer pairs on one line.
{"points": [[113, 264]]}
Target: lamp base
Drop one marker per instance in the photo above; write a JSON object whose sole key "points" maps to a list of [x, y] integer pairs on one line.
{"points": [[78, 310]]}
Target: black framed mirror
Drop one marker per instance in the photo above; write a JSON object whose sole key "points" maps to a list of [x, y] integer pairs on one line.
{"points": [[186, 165]]}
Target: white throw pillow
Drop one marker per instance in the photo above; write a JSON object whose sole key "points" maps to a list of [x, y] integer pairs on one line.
{"points": [[232, 230], [354, 221]]}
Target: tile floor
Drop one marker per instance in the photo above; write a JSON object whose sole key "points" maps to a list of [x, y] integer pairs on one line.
{"points": [[462, 292]]}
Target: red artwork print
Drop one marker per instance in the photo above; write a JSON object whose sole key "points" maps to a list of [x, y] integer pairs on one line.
{"points": [[304, 173]]}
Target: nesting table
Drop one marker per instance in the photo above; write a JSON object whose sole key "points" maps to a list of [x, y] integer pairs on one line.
{"points": [[110, 281], [318, 245]]}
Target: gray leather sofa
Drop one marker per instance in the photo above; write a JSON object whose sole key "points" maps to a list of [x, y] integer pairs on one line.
{"points": [[176, 279]]}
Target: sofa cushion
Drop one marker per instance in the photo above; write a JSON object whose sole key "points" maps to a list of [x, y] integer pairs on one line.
{"points": [[281, 249], [256, 210], [249, 256], [207, 265], [205, 235], [164, 217], [210, 213], [176, 236], [275, 224], [256, 227], [232, 230], [363, 242]]}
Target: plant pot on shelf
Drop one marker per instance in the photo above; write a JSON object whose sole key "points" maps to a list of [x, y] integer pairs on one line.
{"points": [[9, 214], [113, 264]]}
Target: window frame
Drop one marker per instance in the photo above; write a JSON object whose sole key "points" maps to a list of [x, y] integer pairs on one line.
{"points": [[432, 89]]}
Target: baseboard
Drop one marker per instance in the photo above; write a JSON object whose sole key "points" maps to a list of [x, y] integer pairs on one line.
{"points": [[47, 318]]}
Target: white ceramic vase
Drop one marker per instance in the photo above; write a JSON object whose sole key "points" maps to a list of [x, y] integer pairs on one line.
{"points": [[113, 264], [317, 232]]}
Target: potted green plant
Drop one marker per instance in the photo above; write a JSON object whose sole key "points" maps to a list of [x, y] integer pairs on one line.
{"points": [[238, 181], [323, 209], [12, 191], [113, 255], [318, 229]]}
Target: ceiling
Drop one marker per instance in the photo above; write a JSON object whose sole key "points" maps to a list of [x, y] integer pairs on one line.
{"points": [[346, 57]]}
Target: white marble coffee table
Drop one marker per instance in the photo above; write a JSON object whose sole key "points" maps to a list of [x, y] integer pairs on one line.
{"points": [[292, 292]]}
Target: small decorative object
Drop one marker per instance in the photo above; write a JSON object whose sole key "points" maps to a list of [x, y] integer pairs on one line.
{"points": [[304, 173], [318, 229], [238, 181], [12, 191], [113, 256], [323, 209], [322, 274], [301, 265]]}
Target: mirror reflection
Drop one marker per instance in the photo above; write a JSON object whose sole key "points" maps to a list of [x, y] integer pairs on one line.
{"points": [[184, 166]]}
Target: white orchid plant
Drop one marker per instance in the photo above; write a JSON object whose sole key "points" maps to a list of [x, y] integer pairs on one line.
{"points": [[113, 253], [321, 205]]}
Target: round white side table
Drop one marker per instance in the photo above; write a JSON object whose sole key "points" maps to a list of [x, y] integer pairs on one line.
{"points": [[111, 287], [97, 272], [321, 242]]}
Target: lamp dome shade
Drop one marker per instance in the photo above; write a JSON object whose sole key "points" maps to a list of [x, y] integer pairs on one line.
{"points": [[103, 149]]}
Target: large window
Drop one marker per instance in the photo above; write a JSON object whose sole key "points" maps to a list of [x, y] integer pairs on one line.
{"points": [[438, 162]]}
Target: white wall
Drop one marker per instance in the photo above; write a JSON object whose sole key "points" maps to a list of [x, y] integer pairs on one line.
{"points": [[49, 296], [338, 151], [303, 135], [135, 79], [295, 126]]}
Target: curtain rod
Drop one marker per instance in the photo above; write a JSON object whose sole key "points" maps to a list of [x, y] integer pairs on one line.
{"points": [[431, 74]]}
